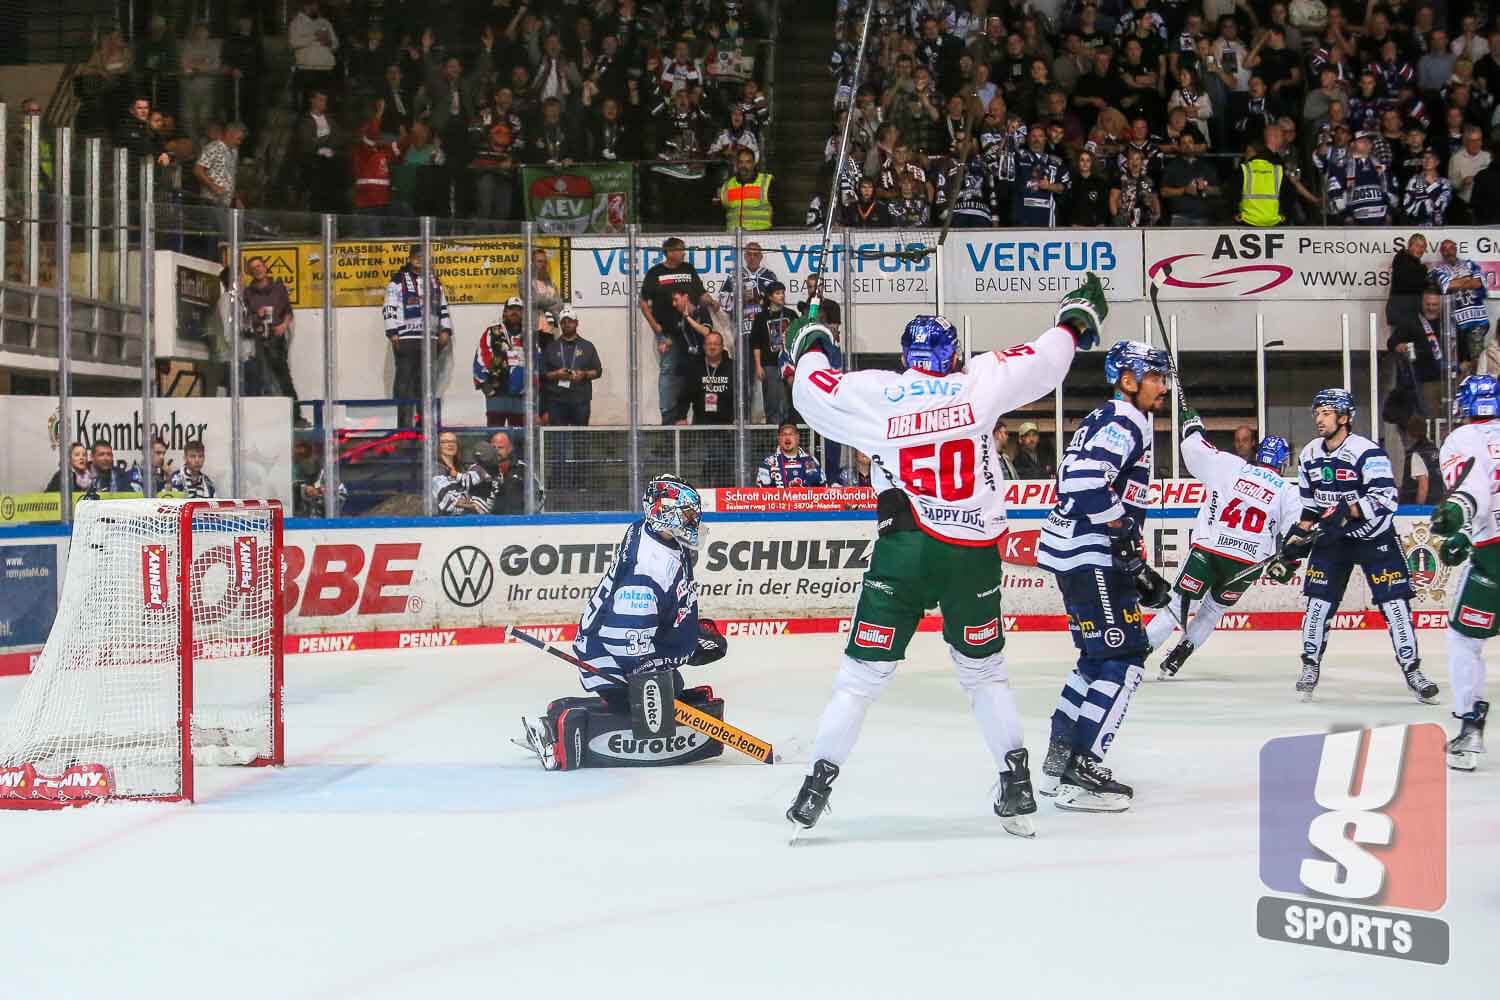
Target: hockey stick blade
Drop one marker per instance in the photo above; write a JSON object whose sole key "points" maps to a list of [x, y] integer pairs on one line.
{"points": [[700, 722]]}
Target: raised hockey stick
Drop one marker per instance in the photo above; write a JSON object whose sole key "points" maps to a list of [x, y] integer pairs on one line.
{"points": [[1157, 278], [686, 715]]}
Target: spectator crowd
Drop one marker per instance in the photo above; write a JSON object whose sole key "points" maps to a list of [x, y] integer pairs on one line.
{"points": [[1165, 112], [431, 108]]}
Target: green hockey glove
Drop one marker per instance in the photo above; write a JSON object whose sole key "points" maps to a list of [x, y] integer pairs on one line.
{"points": [[1447, 518], [1083, 311], [1455, 549]]}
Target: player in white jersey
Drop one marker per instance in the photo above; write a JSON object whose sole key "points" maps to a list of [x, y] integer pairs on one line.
{"points": [[1247, 505], [941, 511], [1470, 521]]}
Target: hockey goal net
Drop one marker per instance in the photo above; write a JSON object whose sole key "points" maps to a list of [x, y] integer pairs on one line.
{"points": [[166, 652]]}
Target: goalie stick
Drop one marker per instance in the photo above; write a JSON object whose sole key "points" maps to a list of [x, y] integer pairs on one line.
{"points": [[700, 722]]}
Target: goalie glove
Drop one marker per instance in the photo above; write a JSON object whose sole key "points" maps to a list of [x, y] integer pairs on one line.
{"points": [[711, 645], [1191, 422], [1455, 549], [1083, 310]]}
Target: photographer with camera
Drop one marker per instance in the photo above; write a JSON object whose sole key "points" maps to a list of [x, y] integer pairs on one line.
{"points": [[497, 479], [267, 321]]}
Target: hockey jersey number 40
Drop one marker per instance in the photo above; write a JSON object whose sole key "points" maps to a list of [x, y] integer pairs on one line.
{"points": [[1247, 507], [930, 435]]}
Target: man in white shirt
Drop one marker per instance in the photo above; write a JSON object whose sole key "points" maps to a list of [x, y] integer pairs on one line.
{"points": [[313, 44], [1464, 164]]}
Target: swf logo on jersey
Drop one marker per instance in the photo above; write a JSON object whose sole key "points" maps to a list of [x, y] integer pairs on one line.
{"points": [[1357, 817]]}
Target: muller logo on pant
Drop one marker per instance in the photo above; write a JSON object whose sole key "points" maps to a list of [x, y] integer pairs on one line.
{"points": [[1356, 817], [869, 636]]}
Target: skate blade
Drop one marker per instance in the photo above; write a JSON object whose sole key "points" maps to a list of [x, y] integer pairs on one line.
{"points": [[1018, 826], [1079, 800], [1165, 675], [1463, 762], [1431, 699], [1047, 786], [1307, 696]]}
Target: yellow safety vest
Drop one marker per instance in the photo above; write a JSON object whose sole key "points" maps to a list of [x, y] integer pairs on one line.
{"points": [[1260, 201], [747, 206]]}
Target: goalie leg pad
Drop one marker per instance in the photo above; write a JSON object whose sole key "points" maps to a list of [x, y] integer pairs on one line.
{"points": [[612, 741]]}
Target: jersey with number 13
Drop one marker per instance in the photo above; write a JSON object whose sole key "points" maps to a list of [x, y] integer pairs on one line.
{"points": [[930, 435]]}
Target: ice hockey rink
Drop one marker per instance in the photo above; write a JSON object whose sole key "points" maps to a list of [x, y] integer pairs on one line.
{"points": [[409, 850]]}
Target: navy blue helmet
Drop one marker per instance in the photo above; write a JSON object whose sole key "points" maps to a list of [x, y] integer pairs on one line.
{"points": [[1340, 400], [930, 343], [1272, 452], [1478, 396], [1134, 356]]}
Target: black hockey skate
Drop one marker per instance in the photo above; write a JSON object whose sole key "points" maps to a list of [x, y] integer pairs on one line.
{"points": [[1176, 658], [1014, 804], [1056, 762], [812, 799], [1088, 787], [1465, 748], [1425, 690], [1309, 679]]}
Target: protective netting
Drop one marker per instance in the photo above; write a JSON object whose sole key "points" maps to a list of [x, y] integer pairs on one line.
{"points": [[125, 662]]}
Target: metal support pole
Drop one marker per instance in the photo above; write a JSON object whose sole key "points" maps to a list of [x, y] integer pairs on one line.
{"points": [[1375, 379], [148, 326], [533, 368], [742, 366], [93, 220], [1057, 417], [62, 155], [968, 341], [4, 204], [633, 361], [331, 468], [846, 324], [427, 440], [1260, 376], [122, 226], [1176, 398], [1147, 330], [235, 291], [937, 277], [1348, 382], [31, 227], [677, 452]]}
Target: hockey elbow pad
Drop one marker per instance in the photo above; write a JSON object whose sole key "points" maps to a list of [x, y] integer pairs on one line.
{"points": [[711, 645]]}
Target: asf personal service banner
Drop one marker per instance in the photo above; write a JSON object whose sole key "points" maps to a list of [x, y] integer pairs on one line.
{"points": [[1279, 264], [476, 269]]}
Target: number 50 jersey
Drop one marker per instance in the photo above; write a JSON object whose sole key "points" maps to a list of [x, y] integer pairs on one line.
{"points": [[929, 435]]}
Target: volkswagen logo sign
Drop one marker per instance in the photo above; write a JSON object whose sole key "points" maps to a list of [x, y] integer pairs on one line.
{"points": [[467, 576]]}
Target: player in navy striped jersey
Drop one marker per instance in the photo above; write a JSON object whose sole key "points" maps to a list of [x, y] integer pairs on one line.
{"points": [[1349, 493], [1092, 543], [641, 619]]}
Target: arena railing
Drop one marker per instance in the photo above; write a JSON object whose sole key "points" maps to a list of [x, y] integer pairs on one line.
{"points": [[336, 438]]}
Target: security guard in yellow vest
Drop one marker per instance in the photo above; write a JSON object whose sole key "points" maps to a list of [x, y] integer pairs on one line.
{"points": [[1261, 178], [746, 196]]}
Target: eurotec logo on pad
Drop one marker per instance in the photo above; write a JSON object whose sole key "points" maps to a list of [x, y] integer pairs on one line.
{"points": [[1354, 825]]}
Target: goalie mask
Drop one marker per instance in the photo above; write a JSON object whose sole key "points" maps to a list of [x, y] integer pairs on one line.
{"points": [[930, 344], [672, 507]]}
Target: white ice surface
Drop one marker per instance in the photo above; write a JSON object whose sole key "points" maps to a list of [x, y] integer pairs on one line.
{"points": [[408, 850]]}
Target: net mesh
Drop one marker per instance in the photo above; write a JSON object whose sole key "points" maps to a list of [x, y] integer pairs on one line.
{"points": [[110, 686]]}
